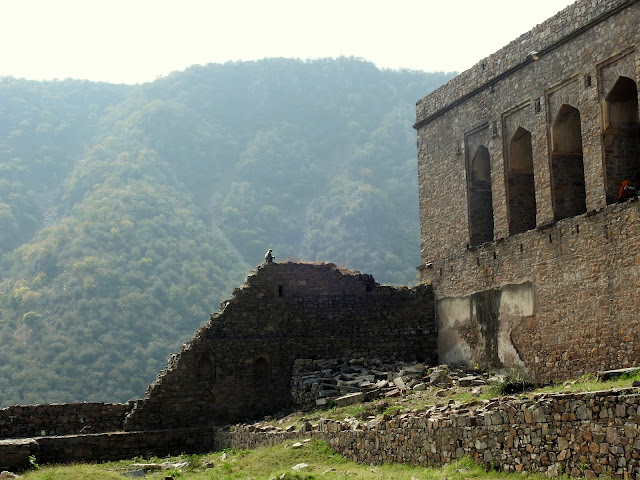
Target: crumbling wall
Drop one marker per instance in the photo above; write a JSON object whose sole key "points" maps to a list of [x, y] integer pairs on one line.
{"points": [[23, 421], [15, 454], [478, 329], [239, 364]]}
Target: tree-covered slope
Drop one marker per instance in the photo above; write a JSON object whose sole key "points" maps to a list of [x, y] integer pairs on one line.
{"points": [[127, 213]]}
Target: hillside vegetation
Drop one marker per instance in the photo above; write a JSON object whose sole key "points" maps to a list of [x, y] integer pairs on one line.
{"points": [[128, 213]]}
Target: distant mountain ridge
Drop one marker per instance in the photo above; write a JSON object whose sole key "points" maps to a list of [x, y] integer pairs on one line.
{"points": [[128, 213]]}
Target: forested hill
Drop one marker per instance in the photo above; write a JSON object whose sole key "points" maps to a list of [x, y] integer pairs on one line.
{"points": [[128, 213]]}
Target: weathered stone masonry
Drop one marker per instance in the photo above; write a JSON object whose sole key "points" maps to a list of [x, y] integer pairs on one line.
{"points": [[239, 364], [23, 421], [584, 435], [526, 260], [519, 161]]}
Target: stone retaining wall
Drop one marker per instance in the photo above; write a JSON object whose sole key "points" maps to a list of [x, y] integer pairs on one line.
{"points": [[585, 434], [582, 434], [23, 421], [122, 445]]}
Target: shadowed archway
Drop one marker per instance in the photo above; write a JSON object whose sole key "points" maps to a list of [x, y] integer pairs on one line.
{"points": [[521, 192], [567, 164]]}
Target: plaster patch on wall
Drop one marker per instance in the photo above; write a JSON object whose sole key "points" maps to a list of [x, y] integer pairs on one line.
{"points": [[516, 303], [455, 340], [477, 329]]}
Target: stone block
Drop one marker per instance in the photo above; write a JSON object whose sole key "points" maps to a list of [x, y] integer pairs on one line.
{"points": [[350, 399]]}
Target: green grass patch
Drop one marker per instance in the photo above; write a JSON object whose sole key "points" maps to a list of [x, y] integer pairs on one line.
{"points": [[589, 383], [270, 463]]}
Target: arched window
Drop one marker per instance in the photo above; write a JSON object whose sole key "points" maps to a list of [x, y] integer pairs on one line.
{"points": [[521, 192], [567, 167], [480, 198], [621, 137]]}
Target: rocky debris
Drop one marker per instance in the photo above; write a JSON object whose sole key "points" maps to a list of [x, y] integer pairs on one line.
{"points": [[135, 474], [344, 382], [6, 474], [145, 466], [158, 466]]}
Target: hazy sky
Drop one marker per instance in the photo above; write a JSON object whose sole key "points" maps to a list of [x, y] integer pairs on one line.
{"points": [[133, 41]]}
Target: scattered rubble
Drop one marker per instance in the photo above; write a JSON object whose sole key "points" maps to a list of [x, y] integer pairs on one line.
{"points": [[345, 382]]}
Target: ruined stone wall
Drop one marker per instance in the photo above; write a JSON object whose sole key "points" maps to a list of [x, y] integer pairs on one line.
{"points": [[581, 434], [61, 419], [584, 434], [239, 364], [15, 453], [545, 273]]}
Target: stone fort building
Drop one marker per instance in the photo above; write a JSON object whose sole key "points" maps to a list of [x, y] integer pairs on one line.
{"points": [[520, 159], [527, 260]]}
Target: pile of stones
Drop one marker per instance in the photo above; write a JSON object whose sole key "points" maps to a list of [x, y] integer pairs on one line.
{"points": [[344, 382]]}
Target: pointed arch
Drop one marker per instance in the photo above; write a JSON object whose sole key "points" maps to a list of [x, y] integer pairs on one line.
{"points": [[621, 138], [480, 198], [521, 192], [567, 164]]}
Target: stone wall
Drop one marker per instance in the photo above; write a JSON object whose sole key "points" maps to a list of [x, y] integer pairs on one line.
{"points": [[559, 103], [565, 297], [102, 447], [584, 434], [61, 419], [510, 106], [581, 434], [545, 37], [239, 364]]}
